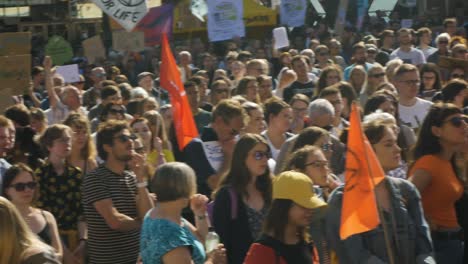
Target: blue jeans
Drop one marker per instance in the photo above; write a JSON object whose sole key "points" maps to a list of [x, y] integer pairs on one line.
{"points": [[448, 251]]}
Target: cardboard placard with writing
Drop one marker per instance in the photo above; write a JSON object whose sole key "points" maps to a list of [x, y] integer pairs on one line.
{"points": [[128, 41], [15, 72], [15, 43], [94, 49]]}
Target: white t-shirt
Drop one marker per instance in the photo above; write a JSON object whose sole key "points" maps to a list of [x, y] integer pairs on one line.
{"points": [[414, 56], [428, 51], [413, 116]]}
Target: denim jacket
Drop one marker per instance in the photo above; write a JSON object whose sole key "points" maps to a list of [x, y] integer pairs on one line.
{"points": [[409, 231]]}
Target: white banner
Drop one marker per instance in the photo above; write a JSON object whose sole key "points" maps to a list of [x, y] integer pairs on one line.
{"points": [[225, 19], [292, 12], [125, 12]]}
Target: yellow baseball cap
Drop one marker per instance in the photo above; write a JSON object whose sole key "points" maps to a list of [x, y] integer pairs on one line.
{"points": [[296, 186]]}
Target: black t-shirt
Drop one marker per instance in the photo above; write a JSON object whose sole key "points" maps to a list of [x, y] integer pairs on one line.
{"points": [[300, 253], [299, 88]]}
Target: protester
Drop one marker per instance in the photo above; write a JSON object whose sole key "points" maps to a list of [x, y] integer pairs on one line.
{"points": [[375, 77], [4, 143], [442, 133], [256, 122], [19, 243], [151, 143], [243, 197], [278, 116], [431, 81], [299, 104], [406, 52], [328, 77], [359, 58]]}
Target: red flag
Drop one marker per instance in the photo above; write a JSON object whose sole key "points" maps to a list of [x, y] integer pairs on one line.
{"points": [[172, 82], [363, 172]]}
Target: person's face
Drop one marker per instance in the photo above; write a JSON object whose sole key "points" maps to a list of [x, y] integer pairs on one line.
{"points": [[300, 67], [150, 105], [404, 38], [61, 147], [264, 89], [388, 40], [457, 73], [376, 77], [185, 59], [326, 145], [98, 75], [454, 130], [208, 62], [227, 131], [408, 84], [299, 215], [221, 92], [122, 148], [459, 53], [260, 54], [256, 122], [73, 99], [24, 196], [429, 79], [299, 109], [146, 82], [257, 160], [116, 99], [12, 137], [4, 140], [316, 167], [460, 98], [388, 107], [238, 69], [167, 116], [358, 78], [193, 96], [323, 121], [142, 130], [426, 38], [252, 91], [360, 56], [116, 113], [387, 150], [80, 137], [37, 125], [282, 121], [140, 147], [336, 101], [442, 43], [451, 28], [323, 56], [332, 78], [371, 54]]}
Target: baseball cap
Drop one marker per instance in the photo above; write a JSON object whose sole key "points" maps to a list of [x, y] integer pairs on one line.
{"points": [[297, 187], [143, 75]]}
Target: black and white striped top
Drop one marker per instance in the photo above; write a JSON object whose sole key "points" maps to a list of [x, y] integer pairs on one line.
{"points": [[104, 244]]}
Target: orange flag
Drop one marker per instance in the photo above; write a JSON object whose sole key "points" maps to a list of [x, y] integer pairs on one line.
{"points": [[172, 82], [363, 171]]}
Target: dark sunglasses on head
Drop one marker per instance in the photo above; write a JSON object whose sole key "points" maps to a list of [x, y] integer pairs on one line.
{"points": [[457, 121], [116, 111], [21, 186], [125, 138], [261, 154], [378, 75]]}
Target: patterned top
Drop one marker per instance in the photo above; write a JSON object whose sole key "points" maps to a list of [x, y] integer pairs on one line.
{"points": [[60, 194], [159, 236], [256, 219]]}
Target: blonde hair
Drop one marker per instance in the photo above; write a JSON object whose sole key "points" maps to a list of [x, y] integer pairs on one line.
{"points": [[16, 238]]}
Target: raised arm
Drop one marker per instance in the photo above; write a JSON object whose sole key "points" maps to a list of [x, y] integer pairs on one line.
{"points": [[53, 97]]}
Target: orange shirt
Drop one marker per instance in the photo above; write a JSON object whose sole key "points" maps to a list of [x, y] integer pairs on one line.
{"points": [[440, 195]]}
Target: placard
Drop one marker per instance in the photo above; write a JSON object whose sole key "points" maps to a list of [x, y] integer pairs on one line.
{"points": [[15, 43], [125, 12], [94, 49], [128, 41], [225, 19], [15, 72], [292, 12], [281, 37], [70, 73]]}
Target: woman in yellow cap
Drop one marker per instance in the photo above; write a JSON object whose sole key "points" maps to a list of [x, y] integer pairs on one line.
{"points": [[285, 240]]}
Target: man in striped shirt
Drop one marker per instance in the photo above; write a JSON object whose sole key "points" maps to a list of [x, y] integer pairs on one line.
{"points": [[115, 197]]}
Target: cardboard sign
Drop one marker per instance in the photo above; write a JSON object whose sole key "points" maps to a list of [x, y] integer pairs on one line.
{"points": [[15, 72], [70, 73], [15, 43], [125, 12], [93, 49], [128, 41], [6, 98]]}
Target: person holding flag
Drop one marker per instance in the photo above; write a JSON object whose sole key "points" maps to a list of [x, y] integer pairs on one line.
{"points": [[374, 218]]}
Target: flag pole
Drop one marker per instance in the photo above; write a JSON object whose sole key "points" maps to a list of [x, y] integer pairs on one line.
{"points": [[390, 250]]}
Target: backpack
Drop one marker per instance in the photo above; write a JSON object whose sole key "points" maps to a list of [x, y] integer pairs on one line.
{"points": [[233, 196]]}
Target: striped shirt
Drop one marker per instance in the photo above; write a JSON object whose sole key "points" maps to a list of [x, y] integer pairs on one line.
{"points": [[104, 244]]}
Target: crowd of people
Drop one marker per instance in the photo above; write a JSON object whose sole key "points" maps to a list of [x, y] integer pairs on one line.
{"points": [[92, 172]]}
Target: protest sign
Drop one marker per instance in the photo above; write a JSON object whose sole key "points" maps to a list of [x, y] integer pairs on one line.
{"points": [[225, 19], [281, 38], [94, 49], [15, 72], [59, 50], [70, 73], [292, 12], [126, 12], [15, 43], [406, 23], [128, 41]]}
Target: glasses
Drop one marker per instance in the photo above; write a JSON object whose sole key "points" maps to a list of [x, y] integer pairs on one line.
{"points": [[259, 155], [443, 42], [326, 147], [378, 75], [411, 82], [458, 121], [459, 76], [21, 186], [220, 91], [116, 111], [100, 75], [125, 138], [317, 164]]}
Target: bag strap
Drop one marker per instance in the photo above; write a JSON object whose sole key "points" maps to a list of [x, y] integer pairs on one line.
{"points": [[234, 203]]}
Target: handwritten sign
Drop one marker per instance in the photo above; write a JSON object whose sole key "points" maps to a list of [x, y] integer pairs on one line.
{"points": [[15, 72], [128, 41], [93, 49], [15, 43], [69, 73], [125, 12]]}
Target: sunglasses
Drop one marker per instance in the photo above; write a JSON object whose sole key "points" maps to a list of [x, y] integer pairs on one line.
{"points": [[458, 121], [323, 54], [317, 164], [117, 111], [377, 75], [259, 155], [326, 147], [21, 186], [459, 76], [443, 42], [125, 138], [100, 75], [220, 91]]}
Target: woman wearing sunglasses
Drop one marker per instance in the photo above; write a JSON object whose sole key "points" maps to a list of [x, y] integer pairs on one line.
{"points": [[20, 187], [443, 132], [243, 198]]}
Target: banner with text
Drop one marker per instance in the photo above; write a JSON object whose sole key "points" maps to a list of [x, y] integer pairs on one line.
{"points": [[126, 12], [292, 12], [225, 19]]}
